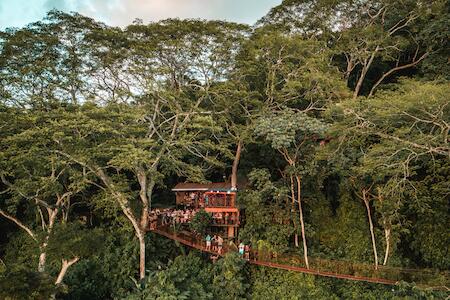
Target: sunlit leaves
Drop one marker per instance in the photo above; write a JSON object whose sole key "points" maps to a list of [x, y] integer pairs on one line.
{"points": [[285, 128]]}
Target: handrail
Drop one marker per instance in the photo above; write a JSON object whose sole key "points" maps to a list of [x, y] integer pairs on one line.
{"points": [[322, 267]]}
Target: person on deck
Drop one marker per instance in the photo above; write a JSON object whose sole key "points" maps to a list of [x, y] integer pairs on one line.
{"points": [[214, 258], [232, 218], [219, 218], [208, 242], [153, 219], [241, 249], [192, 196], [247, 252], [219, 244], [213, 243], [164, 218]]}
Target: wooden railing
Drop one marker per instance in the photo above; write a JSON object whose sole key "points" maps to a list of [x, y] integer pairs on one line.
{"points": [[219, 202], [224, 222], [428, 278]]}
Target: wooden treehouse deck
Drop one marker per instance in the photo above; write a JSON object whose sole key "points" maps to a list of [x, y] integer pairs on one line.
{"points": [[424, 278]]}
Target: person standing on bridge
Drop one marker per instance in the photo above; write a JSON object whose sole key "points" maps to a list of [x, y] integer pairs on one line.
{"points": [[241, 249], [219, 244], [247, 252], [208, 242]]}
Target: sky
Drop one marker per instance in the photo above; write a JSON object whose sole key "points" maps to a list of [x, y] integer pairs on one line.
{"points": [[18, 13]]}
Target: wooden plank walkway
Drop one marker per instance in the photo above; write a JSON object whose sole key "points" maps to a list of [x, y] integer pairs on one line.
{"points": [[192, 241]]}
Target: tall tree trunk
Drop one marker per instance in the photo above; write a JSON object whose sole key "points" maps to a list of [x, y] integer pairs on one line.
{"points": [[150, 187], [52, 214], [302, 223], [43, 255], [65, 265], [142, 178], [125, 206], [387, 225], [372, 235], [364, 70], [360, 82], [293, 210], [387, 236], [234, 169], [141, 237]]}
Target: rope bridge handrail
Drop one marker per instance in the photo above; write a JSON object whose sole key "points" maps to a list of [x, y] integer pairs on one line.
{"points": [[425, 278]]}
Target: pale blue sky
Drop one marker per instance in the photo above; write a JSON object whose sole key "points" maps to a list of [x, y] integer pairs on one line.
{"points": [[17, 13]]}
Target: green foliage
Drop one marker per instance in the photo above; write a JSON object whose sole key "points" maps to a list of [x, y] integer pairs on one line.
{"points": [[350, 225], [350, 290], [276, 284], [229, 280], [72, 240], [187, 277], [431, 219], [26, 284], [289, 70], [99, 286], [266, 213], [283, 129], [200, 222]]}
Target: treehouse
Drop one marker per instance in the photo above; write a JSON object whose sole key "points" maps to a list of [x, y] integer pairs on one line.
{"points": [[218, 199]]}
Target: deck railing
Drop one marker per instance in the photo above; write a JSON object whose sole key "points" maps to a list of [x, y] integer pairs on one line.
{"points": [[219, 202], [223, 222]]}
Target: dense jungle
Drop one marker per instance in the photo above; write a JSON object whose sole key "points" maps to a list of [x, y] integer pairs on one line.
{"points": [[332, 116]]}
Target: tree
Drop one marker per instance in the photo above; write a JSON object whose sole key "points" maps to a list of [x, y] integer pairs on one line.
{"points": [[112, 143], [394, 133], [364, 193], [36, 180], [267, 213], [292, 134], [26, 284], [48, 62], [276, 284], [194, 61], [367, 35]]}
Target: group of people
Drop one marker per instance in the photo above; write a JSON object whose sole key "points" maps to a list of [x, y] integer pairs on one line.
{"points": [[168, 216], [191, 198], [244, 250], [224, 218], [214, 243]]}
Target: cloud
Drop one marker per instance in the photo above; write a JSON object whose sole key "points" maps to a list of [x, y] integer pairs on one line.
{"points": [[123, 12]]}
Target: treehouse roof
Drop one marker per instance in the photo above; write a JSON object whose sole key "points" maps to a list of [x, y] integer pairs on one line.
{"points": [[196, 187]]}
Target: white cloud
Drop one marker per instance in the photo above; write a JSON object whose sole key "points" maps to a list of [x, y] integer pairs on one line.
{"points": [[123, 12]]}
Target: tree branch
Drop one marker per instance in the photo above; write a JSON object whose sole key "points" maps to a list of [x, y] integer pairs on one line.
{"points": [[20, 224], [397, 68]]}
